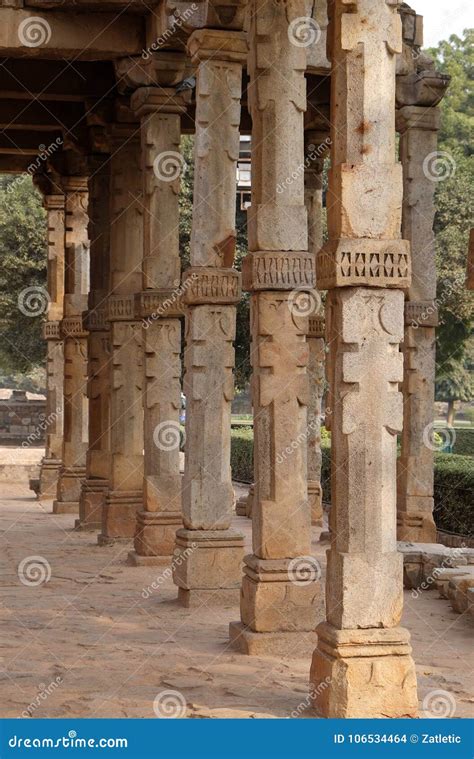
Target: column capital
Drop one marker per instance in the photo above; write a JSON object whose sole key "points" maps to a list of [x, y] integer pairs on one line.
{"points": [[211, 285], [418, 117], [52, 330], [217, 44], [165, 68], [148, 100], [74, 184], [424, 88], [54, 202]]}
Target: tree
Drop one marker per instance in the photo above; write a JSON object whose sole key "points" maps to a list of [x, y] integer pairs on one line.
{"points": [[23, 264]]}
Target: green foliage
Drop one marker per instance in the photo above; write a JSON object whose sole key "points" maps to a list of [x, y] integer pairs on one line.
{"points": [[241, 455], [23, 256], [464, 442], [454, 488]]}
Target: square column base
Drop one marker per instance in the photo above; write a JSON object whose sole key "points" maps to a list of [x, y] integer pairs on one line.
{"points": [[134, 559], [206, 561], [416, 527], [196, 597], [363, 674], [65, 507], [315, 502], [48, 479], [281, 644], [69, 490], [155, 533], [91, 503], [119, 516]]}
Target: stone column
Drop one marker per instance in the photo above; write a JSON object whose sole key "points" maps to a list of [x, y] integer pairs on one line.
{"points": [[418, 127], [313, 197], [208, 552], [52, 461], [160, 309], [75, 346], [280, 597], [363, 657], [125, 495], [95, 485]]}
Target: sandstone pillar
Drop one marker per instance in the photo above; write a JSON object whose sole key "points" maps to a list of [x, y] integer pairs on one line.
{"points": [[280, 596], [52, 461], [125, 494], [210, 552], [95, 485], [75, 346], [418, 141], [362, 652], [160, 309]]}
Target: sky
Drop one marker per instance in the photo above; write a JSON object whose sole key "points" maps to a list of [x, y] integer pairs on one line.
{"points": [[443, 18]]}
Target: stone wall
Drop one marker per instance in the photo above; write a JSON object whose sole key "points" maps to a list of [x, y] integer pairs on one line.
{"points": [[22, 418]]}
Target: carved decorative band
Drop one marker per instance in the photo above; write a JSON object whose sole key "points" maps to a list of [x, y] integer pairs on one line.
{"points": [[364, 263], [95, 320], [285, 270], [120, 308], [72, 326], [316, 326], [159, 304], [206, 284], [51, 331], [421, 313]]}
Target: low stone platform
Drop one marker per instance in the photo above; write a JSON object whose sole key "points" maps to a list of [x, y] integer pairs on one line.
{"points": [[421, 562]]}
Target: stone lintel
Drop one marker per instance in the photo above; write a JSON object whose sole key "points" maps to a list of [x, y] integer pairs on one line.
{"points": [[161, 303], [425, 88], [417, 117], [317, 326], [210, 285], [218, 45], [72, 326], [121, 308], [52, 330], [278, 270], [148, 100], [421, 313], [364, 262]]}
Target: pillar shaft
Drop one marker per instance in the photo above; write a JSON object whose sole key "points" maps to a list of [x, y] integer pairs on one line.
{"points": [[52, 461], [280, 598], [362, 652], [75, 346], [95, 485], [418, 140], [125, 494], [212, 288], [159, 306]]}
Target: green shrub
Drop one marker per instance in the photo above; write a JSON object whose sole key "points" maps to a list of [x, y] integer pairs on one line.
{"points": [[464, 441], [241, 454]]}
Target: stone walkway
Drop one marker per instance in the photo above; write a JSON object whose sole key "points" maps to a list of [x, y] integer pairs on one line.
{"points": [[100, 646]]}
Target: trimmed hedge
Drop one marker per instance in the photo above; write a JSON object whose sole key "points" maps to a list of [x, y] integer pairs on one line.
{"points": [[464, 441], [453, 481]]}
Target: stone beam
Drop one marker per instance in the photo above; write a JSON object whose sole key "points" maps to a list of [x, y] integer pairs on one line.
{"points": [[54, 80], [35, 116], [60, 34], [26, 143]]}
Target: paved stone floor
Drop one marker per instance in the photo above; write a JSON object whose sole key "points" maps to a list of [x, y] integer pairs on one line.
{"points": [[112, 650]]}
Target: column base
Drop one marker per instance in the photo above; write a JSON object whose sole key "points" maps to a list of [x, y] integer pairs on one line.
{"points": [[155, 533], [281, 644], [119, 516], [134, 559], [48, 479], [69, 490], [281, 595], [65, 507], [416, 527], [196, 597], [241, 506], [91, 502], [207, 560], [315, 500], [363, 674]]}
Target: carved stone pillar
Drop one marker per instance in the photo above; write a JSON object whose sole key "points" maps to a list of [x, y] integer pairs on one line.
{"points": [[418, 127], [159, 306], [125, 495], [313, 196], [280, 596], [75, 346], [210, 552], [363, 657], [52, 461], [95, 485]]}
